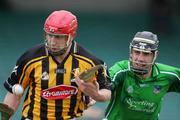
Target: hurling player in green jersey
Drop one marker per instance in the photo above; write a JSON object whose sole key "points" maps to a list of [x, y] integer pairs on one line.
{"points": [[139, 84]]}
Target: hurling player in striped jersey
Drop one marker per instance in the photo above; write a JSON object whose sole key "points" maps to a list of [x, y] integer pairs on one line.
{"points": [[47, 72]]}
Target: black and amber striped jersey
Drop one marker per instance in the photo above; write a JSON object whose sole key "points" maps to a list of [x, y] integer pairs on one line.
{"points": [[52, 93]]}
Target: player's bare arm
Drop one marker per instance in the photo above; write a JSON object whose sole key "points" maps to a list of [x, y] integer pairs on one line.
{"points": [[92, 89]]}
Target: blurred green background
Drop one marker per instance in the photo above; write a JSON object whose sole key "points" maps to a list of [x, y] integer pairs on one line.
{"points": [[104, 33]]}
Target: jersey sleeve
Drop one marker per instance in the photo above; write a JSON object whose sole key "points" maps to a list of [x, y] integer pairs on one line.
{"points": [[116, 72], [174, 80], [18, 75], [103, 79]]}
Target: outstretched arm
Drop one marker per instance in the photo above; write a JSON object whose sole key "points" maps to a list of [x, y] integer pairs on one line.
{"points": [[92, 89]]}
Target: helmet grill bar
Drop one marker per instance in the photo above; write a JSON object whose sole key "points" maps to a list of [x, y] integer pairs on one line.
{"points": [[138, 39]]}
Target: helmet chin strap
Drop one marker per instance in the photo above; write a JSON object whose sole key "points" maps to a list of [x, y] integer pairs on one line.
{"points": [[69, 41]]}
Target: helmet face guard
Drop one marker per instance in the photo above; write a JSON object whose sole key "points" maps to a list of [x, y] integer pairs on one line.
{"points": [[57, 44], [147, 43]]}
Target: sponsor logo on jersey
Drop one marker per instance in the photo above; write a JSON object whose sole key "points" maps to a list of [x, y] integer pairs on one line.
{"points": [[61, 71], [130, 89], [76, 71], [140, 105], [59, 92], [157, 89], [45, 76]]}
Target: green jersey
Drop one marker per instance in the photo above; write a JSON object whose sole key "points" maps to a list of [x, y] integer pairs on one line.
{"points": [[134, 98]]}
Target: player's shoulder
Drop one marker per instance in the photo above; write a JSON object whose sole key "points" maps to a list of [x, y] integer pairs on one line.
{"points": [[123, 62], [119, 67], [123, 65], [85, 54], [165, 67], [168, 70], [33, 53]]}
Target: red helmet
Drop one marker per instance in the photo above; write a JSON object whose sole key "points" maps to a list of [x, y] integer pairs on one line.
{"points": [[61, 22]]}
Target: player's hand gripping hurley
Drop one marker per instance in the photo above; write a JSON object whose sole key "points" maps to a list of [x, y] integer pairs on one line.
{"points": [[6, 111]]}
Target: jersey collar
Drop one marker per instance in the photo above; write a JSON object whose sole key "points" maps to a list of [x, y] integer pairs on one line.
{"points": [[155, 70], [74, 47]]}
